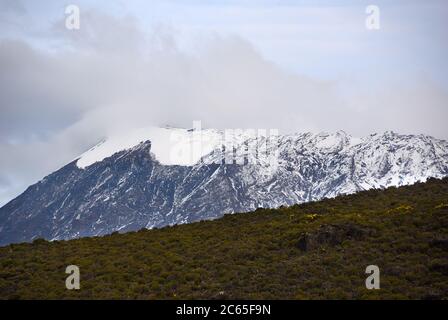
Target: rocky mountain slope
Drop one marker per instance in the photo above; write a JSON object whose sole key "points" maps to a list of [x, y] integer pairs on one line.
{"points": [[132, 183]]}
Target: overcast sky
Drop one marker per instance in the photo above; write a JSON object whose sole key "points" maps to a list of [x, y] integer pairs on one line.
{"points": [[291, 65]]}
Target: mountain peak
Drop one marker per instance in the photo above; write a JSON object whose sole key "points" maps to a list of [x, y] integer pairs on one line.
{"points": [[128, 188]]}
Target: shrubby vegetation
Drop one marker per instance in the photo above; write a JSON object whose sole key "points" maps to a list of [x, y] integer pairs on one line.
{"points": [[256, 255]]}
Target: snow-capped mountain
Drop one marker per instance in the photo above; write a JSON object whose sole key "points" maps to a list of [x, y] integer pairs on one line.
{"points": [[163, 176]]}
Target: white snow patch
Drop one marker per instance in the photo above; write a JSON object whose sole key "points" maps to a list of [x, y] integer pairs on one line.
{"points": [[328, 142], [170, 146]]}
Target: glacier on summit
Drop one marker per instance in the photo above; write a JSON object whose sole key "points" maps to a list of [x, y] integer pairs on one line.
{"points": [[134, 181]]}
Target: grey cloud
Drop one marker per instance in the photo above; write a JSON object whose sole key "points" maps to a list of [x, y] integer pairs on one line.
{"points": [[12, 15], [419, 107], [147, 79], [12, 6], [33, 92]]}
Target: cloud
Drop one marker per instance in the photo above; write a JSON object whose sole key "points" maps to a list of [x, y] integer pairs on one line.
{"points": [[412, 107], [141, 78], [12, 6], [111, 75]]}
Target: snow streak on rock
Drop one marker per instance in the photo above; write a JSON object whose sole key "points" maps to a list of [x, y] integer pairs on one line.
{"points": [[129, 183]]}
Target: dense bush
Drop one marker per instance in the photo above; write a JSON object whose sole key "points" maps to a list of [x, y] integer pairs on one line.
{"points": [[255, 255]]}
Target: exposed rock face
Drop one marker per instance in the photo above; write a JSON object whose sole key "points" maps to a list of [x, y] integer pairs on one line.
{"points": [[440, 243], [440, 267], [332, 235], [132, 189]]}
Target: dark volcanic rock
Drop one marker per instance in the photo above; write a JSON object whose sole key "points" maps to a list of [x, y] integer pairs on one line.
{"points": [[440, 243], [440, 267], [332, 235], [131, 189]]}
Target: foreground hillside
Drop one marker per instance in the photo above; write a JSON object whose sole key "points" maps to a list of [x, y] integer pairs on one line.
{"points": [[317, 250]]}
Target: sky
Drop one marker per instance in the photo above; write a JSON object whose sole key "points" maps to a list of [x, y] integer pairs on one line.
{"points": [[290, 65]]}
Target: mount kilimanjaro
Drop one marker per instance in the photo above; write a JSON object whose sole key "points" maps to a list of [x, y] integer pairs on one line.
{"points": [[132, 181]]}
